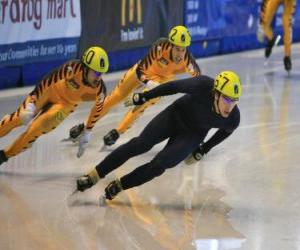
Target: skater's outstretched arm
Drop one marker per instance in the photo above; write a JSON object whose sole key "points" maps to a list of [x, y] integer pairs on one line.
{"points": [[187, 86]]}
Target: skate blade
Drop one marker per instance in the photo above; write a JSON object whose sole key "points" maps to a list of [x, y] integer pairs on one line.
{"points": [[102, 148], [67, 140], [102, 201], [278, 38], [74, 192], [266, 62], [105, 148]]}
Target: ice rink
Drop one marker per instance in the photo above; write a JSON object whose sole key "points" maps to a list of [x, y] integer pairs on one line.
{"points": [[245, 193]]}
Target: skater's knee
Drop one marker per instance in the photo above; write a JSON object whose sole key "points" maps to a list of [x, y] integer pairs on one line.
{"points": [[28, 113], [162, 163]]}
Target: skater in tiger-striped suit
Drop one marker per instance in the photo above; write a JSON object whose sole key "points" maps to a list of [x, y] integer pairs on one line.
{"points": [[268, 10], [55, 97], [166, 58]]}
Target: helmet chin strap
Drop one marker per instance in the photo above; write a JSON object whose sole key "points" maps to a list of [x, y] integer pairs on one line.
{"points": [[84, 78], [215, 106], [171, 52], [84, 75]]}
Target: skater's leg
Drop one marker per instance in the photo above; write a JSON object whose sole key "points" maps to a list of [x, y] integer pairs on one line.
{"points": [[177, 149]]}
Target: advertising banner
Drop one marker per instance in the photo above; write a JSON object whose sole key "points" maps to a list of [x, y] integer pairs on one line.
{"points": [[124, 24], [38, 30]]}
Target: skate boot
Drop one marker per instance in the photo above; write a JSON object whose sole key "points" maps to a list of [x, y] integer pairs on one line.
{"points": [[113, 189], [270, 44], [287, 63], [84, 182], [87, 181], [76, 131], [111, 137], [3, 157]]}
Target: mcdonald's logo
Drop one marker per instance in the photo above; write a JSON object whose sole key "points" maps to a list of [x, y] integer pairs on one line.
{"points": [[131, 12]]}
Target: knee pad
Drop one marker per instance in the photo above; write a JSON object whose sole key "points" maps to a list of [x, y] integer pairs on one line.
{"points": [[28, 113]]}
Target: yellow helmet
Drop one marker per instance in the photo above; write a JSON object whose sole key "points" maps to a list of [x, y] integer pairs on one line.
{"points": [[96, 59], [228, 84], [180, 36]]}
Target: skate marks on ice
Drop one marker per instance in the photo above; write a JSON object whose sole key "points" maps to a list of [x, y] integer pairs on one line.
{"points": [[150, 223]]}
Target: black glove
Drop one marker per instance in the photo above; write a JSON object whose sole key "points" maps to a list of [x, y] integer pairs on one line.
{"points": [[135, 100], [138, 99], [199, 152], [196, 155]]}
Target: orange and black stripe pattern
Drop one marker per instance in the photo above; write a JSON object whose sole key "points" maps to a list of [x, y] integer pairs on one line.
{"points": [[294, 2], [262, 11], [96, 110], [154, 53], [55, 97], [66, 71], [268, 11], [161, 51]]}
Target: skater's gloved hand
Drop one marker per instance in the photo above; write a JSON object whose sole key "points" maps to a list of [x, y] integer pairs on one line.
{"points": [[83, 142], [28, 113], [151, 84], [75, 132], [135, 99], [260, 35], [195, 156]]}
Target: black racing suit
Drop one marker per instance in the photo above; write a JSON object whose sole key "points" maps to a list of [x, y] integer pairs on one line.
{"points": [[185, 123]]}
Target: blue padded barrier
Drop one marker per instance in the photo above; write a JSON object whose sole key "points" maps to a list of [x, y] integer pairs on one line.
{"points": [[34, 72], [10, 77]]}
